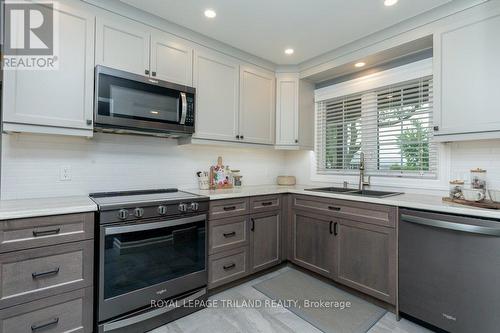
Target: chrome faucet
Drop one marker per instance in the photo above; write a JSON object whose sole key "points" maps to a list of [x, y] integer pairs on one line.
{"points": [[362, 181]]}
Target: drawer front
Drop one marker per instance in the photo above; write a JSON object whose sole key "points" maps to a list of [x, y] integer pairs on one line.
{"points": [[37, 273], [227, 266], [69, 312], [227, 234], [353, 210], [21, 234], [265, 203], [228, 208]]}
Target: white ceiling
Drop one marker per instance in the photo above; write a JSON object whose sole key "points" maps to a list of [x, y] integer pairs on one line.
{"points": [[266, 27]]}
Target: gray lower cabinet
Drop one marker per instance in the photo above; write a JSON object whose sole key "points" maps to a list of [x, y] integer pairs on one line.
{"points": [[366, 258], [265, 240], [46, 270], [313, 242], [227, 266]]}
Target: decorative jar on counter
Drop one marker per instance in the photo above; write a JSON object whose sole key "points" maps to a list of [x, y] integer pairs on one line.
{"points": [[456, 188], [478, 179]]}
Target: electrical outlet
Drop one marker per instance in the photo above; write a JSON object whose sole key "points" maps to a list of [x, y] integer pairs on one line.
{"points": [[65, 173]]}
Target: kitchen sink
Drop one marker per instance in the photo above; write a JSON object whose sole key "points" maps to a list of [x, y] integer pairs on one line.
{"points": [[350, 191]]}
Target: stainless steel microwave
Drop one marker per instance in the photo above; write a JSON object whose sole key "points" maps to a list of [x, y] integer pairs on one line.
{"points": [[135, 104]]}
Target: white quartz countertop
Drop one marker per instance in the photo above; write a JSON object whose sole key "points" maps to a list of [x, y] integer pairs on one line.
{"points": [[22, 208], [409, 200]]}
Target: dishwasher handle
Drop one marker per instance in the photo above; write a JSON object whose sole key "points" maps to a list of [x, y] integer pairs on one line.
{"points": [[475, 229]]}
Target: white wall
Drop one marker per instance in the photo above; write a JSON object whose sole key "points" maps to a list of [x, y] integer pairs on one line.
{"points": [[462, 157], [31, 164]]}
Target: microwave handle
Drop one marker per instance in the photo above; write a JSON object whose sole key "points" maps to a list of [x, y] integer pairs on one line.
{"points": [[183, 108]]}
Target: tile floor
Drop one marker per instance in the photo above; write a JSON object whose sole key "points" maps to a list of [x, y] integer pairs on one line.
{"points": [[264, 319]]}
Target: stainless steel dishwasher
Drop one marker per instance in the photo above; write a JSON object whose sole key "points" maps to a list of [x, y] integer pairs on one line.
{"points": [[449, 271]]}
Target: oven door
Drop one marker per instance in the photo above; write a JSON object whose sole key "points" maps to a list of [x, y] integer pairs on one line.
{"points": [[129, 101], [150, 261]]}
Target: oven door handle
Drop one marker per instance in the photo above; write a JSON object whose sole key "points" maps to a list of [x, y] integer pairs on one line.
{"points": [[153, 225], [183, 108]]}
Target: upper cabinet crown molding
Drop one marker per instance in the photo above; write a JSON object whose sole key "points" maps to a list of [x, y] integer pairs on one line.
{"points": [[56, 101], [466, 78]]}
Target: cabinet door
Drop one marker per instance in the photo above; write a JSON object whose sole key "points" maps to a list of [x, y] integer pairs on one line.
{"points": [[467, 75], [257, 108], [171, 58], [122, 44], [306, 115], [287, 113], [366, 258], [216, 80], [313, 242], [265, 245], [41, 101]]}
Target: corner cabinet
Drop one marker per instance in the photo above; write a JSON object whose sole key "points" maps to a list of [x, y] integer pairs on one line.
{"points": [[294, 112], [265, 236], [257, 111], [56, 101], [133, 47], [467, 77]]}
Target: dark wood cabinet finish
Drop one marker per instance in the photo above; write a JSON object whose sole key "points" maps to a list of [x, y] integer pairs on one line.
{"points": [[21, 234], [313, 242], [366, 258], [265, 203], [227, 266], [68, 312], [220, 209], [229, 233], [265, 240]]}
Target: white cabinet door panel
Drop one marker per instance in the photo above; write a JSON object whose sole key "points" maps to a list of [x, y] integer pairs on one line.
{"points": [[216, 80], [171, 58], [468, 78], [287, 113], [257, 105], [60, 98], [122, 44]]}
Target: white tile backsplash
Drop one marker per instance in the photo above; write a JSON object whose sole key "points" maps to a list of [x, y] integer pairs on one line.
{"points": [[31, 164]]}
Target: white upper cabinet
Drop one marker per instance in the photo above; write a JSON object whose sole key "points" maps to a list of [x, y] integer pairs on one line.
{"points": [[467, 79], [257, 105], [122, 44], [294, 112], [56, 101], [216, 79], [171, 58]]}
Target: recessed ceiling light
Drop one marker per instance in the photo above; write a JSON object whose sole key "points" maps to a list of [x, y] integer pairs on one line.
{"points": [[289, 51], [359, 64], [389, 3], [210, 13]]}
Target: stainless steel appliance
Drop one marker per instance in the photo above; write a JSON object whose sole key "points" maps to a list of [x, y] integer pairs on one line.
{"points": [[449, 271], [130, 103], [151, 246]]}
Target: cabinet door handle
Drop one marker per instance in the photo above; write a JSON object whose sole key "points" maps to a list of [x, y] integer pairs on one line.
{"points": [[330, 227], [296, 141], [229, 234], [242, 137], [335, 229], [436, 128], [37, 275], [146, 71], [268, 203], [253, 225], [89, 122], [46, 232], [51, 322], [337, 209], [229, 208], [153, 73], [238, 137], [228, 267]]}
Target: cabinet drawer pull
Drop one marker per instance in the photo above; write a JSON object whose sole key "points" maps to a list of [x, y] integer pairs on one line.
{"points": [[36, 275], [44, 325], [269, 203], [230, 234], [46, 232], [337, 209], [335, 229], [228, 267], [229, 208]]}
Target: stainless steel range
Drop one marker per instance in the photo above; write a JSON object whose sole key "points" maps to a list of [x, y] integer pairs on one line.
{"points": [[152, 246]]}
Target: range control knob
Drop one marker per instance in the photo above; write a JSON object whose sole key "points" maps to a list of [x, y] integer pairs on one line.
{"points": [[183, 207], [194, 206], [162, 210], [139, 212], [123, 214]]}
